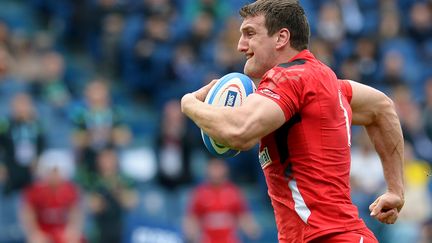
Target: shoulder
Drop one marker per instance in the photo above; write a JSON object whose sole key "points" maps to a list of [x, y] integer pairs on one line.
{"points": [[34, 190], [204, 191], [287, 71], [232, 186], [200, 194]]}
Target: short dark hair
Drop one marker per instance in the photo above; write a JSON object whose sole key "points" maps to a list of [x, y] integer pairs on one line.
{"points": [[280, 14]]}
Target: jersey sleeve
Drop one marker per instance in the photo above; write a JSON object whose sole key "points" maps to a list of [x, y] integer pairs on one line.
{"points": [[284, 88], [346, 89]]}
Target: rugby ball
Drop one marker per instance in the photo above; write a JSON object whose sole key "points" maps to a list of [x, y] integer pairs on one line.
{"points": [[230, 90]]}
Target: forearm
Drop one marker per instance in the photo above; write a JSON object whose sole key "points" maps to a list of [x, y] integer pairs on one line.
{"points": [[386, 135], [28, 220], [191, 229], [238, 127], [75, 222], [220, 123], [248, 225]]}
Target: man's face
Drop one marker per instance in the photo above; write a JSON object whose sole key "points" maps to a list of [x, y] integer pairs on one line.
{"points": [[259, 48], [217, 172], [22, 107]]}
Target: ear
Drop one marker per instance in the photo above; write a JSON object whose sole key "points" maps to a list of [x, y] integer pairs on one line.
{"points": [[283, 38]]}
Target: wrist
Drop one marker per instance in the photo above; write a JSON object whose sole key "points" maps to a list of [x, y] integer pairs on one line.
{"points": [[398, 192]]}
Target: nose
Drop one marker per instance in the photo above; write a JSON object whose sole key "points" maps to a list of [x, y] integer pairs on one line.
{"points": [[242, 45]]}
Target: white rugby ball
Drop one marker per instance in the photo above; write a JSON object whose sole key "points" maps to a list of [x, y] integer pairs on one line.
{"points": [[230, 90]]}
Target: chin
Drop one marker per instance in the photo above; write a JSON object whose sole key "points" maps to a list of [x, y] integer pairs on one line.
{"points": [[253, 74]]}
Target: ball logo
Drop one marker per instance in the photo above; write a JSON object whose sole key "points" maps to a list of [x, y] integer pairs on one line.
{"points": [[231, 98]]}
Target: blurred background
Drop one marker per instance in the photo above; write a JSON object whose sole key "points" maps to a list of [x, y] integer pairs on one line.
{"points": [[94, 148]]}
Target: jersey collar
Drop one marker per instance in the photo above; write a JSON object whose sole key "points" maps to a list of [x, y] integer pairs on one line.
{"points": [[305, 54]]}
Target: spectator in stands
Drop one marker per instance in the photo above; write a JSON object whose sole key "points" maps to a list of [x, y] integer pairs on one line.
{"points": [[50, 210], [366, 60], [24, 53], [109, 45], [412, 122], [217, 208], [174, 146], [330, 25], [148, 61], [420, 24], [21, 142], [97, 124], [366, 171], [111, 196], [185, 72], [50, 86], [390, 24], [393, 69], [201, 36]]}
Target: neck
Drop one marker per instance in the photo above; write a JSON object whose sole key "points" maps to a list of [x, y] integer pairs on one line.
{"points": [[288, 55]]}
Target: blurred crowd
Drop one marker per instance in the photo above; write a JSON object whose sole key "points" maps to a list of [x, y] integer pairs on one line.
{"points": [[94, 147]]}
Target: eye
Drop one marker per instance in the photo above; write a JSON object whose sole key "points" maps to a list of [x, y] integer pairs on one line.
{"points": [[250, 34]]}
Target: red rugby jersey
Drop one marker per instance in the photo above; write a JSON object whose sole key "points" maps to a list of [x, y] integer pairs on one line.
{"points": [[306, 161], [52, 207], [217, 209]]}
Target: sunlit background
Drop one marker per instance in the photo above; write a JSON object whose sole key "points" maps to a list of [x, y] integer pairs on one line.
{"points": [[89, 94]]}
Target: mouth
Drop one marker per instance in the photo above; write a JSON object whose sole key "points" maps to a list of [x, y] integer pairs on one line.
{"points": [[249, 56]]}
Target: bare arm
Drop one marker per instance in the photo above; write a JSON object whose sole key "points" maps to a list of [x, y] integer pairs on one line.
{"points": [[191, 228], [374, 110], [249, 226], [28, 218], [236, 127], [74, 226], [31, 228]]}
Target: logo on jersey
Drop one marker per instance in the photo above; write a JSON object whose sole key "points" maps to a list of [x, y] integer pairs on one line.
{"points": [[231, 98], [270, 93], [264, 158]]}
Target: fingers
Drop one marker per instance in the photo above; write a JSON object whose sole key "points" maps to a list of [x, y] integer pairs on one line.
{"points": [[388, 217], [375, 207], [383, 215], [202, 92], [213, 82]]}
